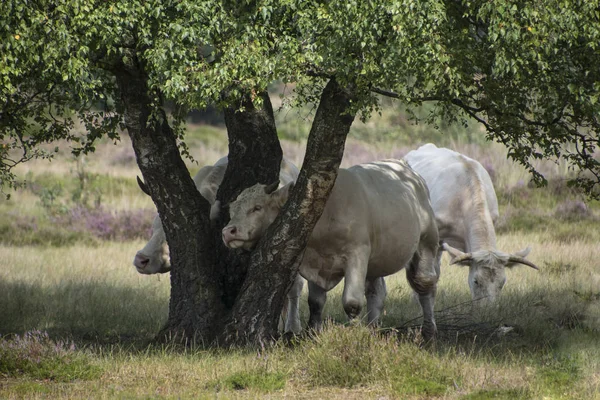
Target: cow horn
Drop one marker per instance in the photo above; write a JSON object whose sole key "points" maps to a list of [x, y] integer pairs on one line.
{"points": [[272, 187], [457, 255], [521, 260], [462, 258], [142, 186]]}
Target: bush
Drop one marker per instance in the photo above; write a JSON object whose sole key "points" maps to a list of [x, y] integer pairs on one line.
{"points": [[107, 225]]}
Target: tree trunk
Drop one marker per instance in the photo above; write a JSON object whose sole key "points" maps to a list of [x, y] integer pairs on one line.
{"points": [[274, 263], [209, 284], [196, 309], [254, 157]]}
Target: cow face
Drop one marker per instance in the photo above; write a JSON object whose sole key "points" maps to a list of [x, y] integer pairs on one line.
{"points": [[486, 283], [251, 214], [487, 270], [154, 257]]}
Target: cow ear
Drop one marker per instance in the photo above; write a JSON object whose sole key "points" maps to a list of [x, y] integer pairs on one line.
{"points": [[457, 256], [142, 186], [281, 195], [270, 188], [523, 253], [215, 210]]}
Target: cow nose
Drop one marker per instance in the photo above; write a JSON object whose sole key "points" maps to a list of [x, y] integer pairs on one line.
{"points": [[141, 261], [228, 234], [230, 230]]}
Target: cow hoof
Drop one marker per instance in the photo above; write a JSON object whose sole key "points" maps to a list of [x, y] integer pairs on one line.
{"points": [[352, 311], [291, 339]]}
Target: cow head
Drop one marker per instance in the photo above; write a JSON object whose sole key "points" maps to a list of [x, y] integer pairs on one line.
{"points": [[251, 214], [487, 273], [154, 257]]}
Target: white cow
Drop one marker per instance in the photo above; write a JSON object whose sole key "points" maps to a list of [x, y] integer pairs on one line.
{"points": [[466, 208], [154, 257], [376, 221]]}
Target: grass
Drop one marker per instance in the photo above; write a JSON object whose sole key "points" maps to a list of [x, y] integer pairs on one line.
{"points": [[62, 285], [93, 297]]}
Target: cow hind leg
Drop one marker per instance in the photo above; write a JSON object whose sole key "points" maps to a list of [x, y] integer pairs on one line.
{"points": [[292, 322], [375, 292], [317, 296], [422, 274]]}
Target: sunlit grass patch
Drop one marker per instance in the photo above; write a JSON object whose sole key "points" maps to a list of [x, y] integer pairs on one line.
{"points": [[28, 389], [355, 356], [559, 375], [343, 357], [90, 292]]}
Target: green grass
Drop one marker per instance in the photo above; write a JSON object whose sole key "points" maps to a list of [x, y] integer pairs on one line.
{"points": [[259, 380]]}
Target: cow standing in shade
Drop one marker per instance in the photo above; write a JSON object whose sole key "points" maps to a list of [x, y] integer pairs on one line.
{"points": [[153, 258], [466, 208], [376, 221]]}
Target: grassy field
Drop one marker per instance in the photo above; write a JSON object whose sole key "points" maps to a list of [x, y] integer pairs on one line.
{"points": [[77, 320]]}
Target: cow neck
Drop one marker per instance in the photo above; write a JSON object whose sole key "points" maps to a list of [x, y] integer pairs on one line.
{"points": [[479, 226]]}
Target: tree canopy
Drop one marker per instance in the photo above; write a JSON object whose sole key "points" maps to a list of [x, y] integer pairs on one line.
{"points": [[525, 69]]}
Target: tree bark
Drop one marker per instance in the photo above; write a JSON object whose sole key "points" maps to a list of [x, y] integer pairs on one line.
{"points": [[211, 285], [275, 262], [196, 308], [254, 157]]}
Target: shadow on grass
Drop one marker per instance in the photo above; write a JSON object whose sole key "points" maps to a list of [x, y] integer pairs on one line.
{"points": [[520, 322], [105, 313], [97, 312]]}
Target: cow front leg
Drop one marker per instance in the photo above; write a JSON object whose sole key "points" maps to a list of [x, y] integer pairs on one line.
{"points": [[354, 285], [375, 292], [317, 296], [292, 322]]}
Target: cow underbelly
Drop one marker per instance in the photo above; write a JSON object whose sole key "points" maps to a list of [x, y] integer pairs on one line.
{"points": [[391, 259], [327, 269]]}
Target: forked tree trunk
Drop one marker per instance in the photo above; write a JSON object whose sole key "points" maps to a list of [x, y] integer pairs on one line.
{"points": [[274, 263], [211, 285]]}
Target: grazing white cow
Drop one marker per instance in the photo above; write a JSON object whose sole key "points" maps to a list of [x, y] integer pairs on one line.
{"points": [[466, 208], [376, 221], [154, 258]]}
